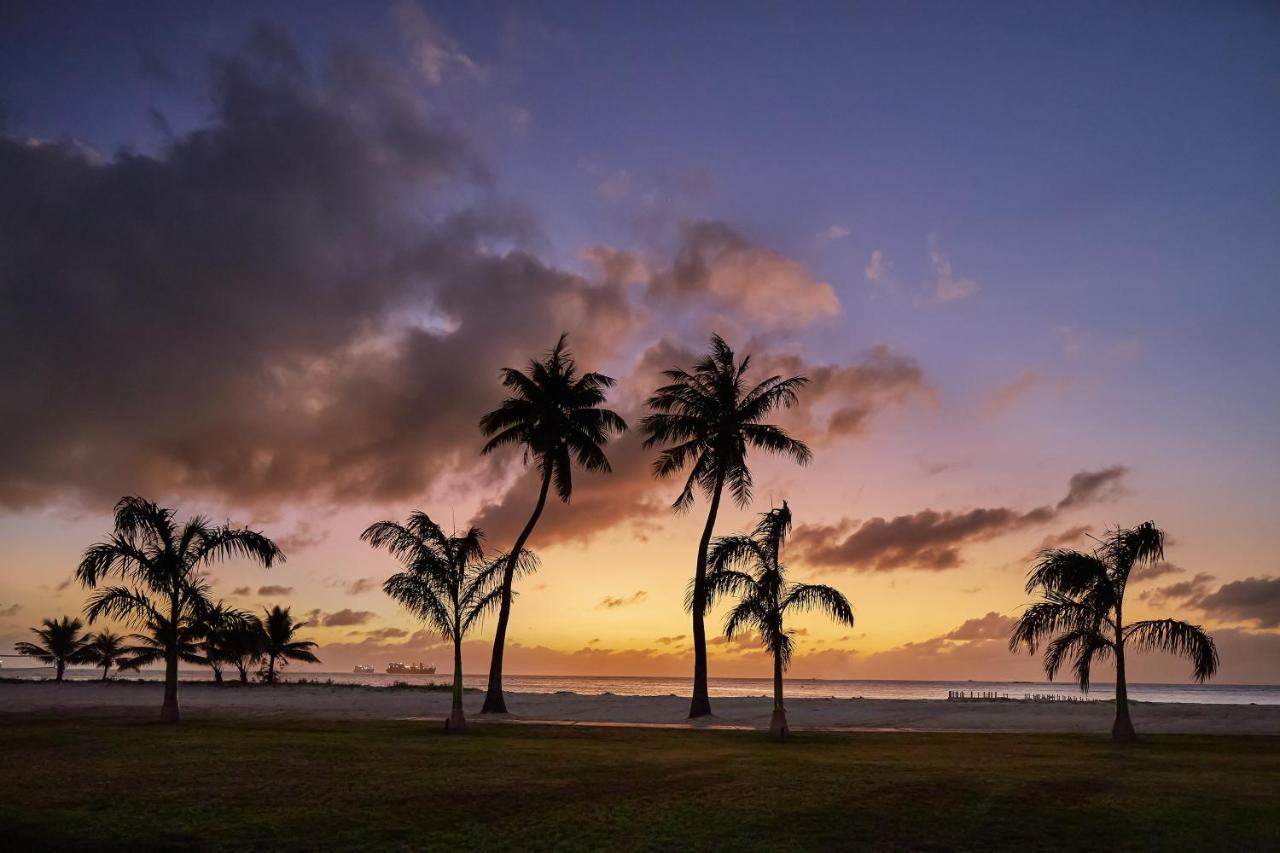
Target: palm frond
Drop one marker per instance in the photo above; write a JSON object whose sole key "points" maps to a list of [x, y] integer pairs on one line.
{"points": [[1179, 638]]}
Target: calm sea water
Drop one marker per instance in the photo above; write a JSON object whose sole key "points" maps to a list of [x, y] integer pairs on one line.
{"points": [[1214, 694]]}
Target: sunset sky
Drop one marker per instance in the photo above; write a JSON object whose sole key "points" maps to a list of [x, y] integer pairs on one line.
{"points": [[266, 264]]}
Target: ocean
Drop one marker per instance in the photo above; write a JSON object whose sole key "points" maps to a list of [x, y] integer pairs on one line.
{"points": [[1211, 694]]}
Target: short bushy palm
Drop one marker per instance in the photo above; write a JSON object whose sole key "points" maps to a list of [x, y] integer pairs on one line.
{"points": [[217, 626], [60, 644], [164, 561], [152, 645], [765, 596], [105, 649], [446, 582], [279, 643], [707, 421], [1081, 616], [556, 416]]}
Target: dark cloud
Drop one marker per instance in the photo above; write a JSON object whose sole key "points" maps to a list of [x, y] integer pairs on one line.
{"points": [[609, 602], [932, 539], [346, 617], [11, 610], [666, 641], [1183, 592], [1251, 599], [386, 634], [322, 262], [1089, 487], [273, 589], [993, 626], [1065, 538], [242, 590]]}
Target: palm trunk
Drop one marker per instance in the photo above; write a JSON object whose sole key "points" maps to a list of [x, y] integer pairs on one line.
{"points": [[58, 672], [493, 701], [217, 674], [106, 668], [1122, 730], [778, 730], [271, 670], [169, 712], [457, 723], [700, 706]]}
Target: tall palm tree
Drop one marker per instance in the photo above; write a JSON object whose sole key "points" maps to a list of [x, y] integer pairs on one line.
{"points": [[446, 582], [106, 650], [765, 596], [709, 419], [59, 643], [164, 561], [278, 643], [555, 415], [1081, 615]]}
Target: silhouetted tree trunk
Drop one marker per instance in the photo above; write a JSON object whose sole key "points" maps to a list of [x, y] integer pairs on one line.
{"points": [[217, 675], [700, 706], [169, 710], [1122, 731], [457, 719], [59, 670], [106, 668], [778, 730], [493, 701], [271, 669], [243, 668]]}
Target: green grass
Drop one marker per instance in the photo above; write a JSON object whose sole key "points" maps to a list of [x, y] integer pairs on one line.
{"points": [[400, 785]]}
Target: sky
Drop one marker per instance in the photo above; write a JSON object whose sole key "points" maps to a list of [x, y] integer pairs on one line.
{"points": [[264, 262]]}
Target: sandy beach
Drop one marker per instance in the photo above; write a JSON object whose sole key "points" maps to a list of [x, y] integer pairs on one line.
{"points": [[141, 700]]}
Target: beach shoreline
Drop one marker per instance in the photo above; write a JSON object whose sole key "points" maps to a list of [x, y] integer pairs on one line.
{"points": [[202, 700]]}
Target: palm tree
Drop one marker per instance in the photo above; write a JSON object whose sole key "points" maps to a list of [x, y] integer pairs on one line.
{"points": [[446, 583], [765, 596], [152, 645], [709, 420], [555, 415], [242, 645], [164, 561], [106, 650], [217, 625], [1083, 612], [60, 644], [278, 643]]}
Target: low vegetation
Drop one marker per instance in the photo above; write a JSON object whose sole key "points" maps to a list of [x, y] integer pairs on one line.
{"points": [[380, 785]]}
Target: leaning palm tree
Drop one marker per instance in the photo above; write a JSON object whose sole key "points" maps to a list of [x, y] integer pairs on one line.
{"points": [[1082, 615], [278, 643], [106, 650], [446, 582], [555, 415], [242, 645], [709, 419], [765, 596], [164, 561], [59, 644]]}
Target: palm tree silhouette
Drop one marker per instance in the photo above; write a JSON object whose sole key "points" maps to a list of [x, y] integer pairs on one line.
{"points": [[59, 643], [555, 415], [765, 596], [709, 420], [153, 644], [446, 582], [106, 650], [164, 561], [241, 645], [217, 624], [1083, 613], [278, 643]]}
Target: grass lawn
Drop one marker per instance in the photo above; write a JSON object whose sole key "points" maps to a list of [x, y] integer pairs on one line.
{"points": [[399, 785]]}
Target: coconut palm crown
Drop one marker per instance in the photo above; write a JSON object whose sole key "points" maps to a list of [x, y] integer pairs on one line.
{"points": [[279, 644], [60, 644], [164, 562], [446, 582], [765, 596], [106, 649], [557, 417], [1081, 616], [707, 420]]}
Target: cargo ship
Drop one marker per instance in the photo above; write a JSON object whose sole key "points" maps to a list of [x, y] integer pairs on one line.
{"points": [[363, 669], [410, 669]]}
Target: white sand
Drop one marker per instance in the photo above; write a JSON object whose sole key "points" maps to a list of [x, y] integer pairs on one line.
{"points": [[140, 700]]}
